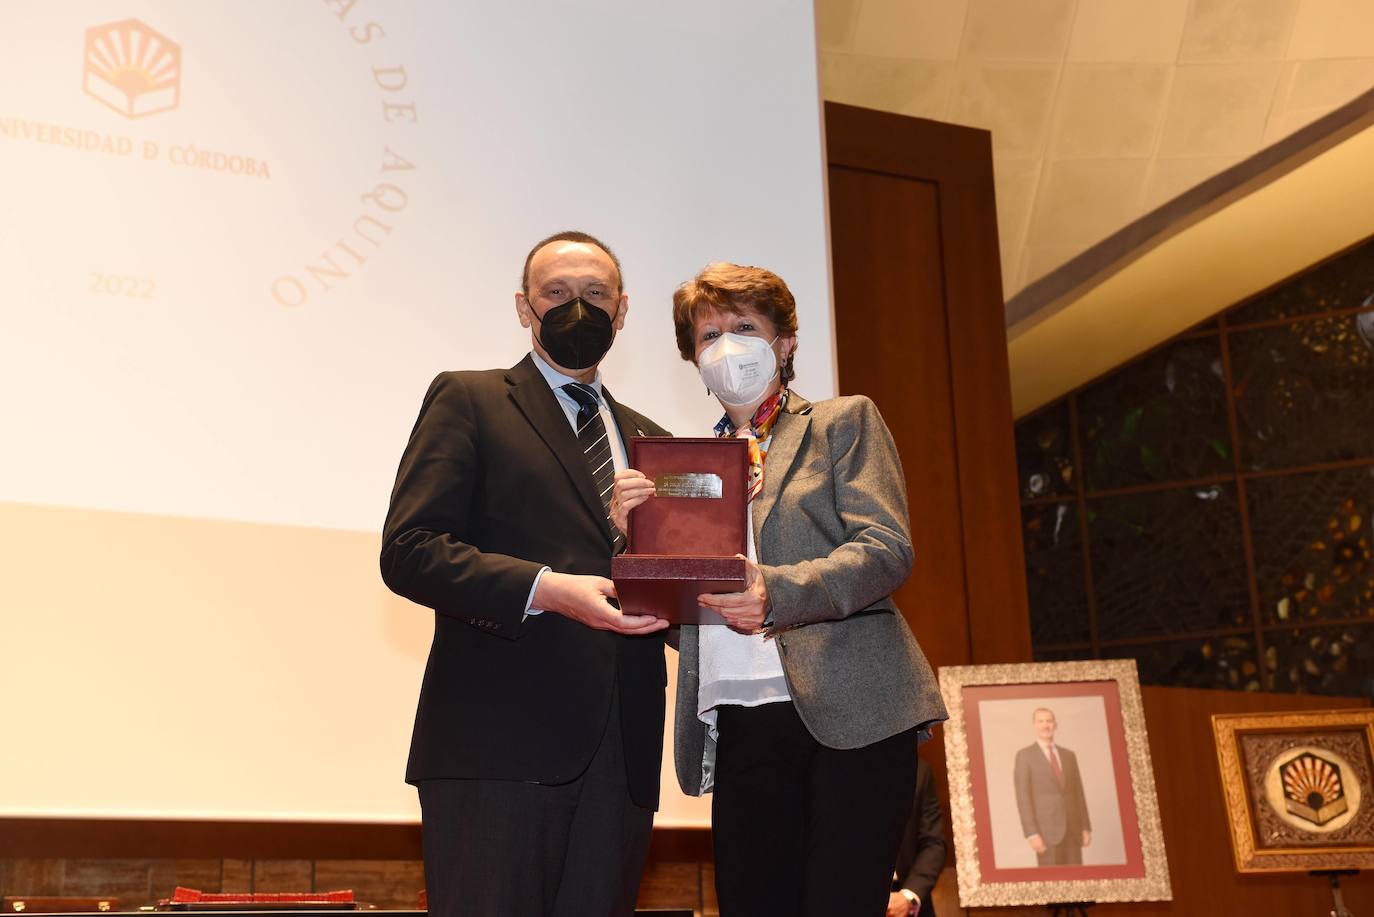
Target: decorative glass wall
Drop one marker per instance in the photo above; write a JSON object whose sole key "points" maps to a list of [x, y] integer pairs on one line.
{"points": [[1207, 509]]}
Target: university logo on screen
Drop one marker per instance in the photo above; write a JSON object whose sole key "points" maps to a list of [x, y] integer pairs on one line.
{"points": [[132, 68], [134, 72]]}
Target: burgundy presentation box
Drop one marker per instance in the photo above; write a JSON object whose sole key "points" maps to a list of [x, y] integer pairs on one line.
{"points": [[683, 540]]}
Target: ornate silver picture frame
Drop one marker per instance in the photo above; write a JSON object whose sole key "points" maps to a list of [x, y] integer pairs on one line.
{"points": [[1052, 795]]}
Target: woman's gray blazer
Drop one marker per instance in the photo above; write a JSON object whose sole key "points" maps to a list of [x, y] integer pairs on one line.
{"points": [[831, 532]]}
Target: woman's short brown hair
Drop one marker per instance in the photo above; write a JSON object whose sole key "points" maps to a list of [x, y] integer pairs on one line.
{"points": [[732, 288]]}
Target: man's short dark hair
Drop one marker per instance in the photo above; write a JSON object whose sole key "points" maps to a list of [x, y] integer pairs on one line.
{"points": [[571, 235]]}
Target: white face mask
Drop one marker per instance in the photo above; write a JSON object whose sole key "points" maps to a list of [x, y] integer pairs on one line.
{"points": [[737, 368]]}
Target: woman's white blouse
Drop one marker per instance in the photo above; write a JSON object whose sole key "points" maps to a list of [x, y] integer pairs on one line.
{"points": [[735, 668]]}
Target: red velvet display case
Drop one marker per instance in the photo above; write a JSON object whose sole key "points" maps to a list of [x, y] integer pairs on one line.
{"points": [[683, 540]]}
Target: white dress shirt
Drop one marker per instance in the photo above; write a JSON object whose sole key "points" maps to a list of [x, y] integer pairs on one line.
{"points": [[736, 668], [570, 407]]}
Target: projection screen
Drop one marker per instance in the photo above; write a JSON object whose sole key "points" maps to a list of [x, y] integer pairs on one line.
{"points": [[237, 241]]}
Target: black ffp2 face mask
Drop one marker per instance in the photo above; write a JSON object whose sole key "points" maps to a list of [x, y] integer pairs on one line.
{"points": [[576, 334]]}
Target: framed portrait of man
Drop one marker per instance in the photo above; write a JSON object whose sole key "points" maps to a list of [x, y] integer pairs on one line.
{"points": [[1052, 796]]}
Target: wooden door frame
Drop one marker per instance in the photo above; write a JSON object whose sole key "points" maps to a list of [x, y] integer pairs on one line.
{"points": [[958, 161]]}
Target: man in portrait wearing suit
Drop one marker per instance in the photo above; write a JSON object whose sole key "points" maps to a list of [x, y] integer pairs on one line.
{"points": [[539, 731], [1049, 796], [921, 855]]}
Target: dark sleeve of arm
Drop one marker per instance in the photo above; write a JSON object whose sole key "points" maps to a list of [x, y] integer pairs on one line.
{"points": [[930, 840], [1023, 796], [1082, 798], [876, 557], [425, 555]]}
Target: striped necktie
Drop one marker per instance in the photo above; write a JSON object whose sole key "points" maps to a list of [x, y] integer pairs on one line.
{"points": [[596, 449]]}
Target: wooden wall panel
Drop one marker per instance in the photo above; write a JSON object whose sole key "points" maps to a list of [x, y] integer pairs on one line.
{"points": [[919, 328], [878, 335]]}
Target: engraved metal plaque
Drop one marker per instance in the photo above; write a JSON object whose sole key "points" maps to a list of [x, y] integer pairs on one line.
{"points": [[701, 486]]}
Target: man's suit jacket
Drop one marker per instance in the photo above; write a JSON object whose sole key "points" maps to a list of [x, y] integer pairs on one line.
{"points": [[1052, 811], [493, 486], [921, 855], [830, 526]]}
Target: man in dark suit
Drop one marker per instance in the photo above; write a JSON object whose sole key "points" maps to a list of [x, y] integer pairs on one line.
{"points": [[540, 723], [921, 855], [1049, 796]]}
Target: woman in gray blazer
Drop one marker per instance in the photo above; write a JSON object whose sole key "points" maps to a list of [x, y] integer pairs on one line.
{"points": [[803, 716]]}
